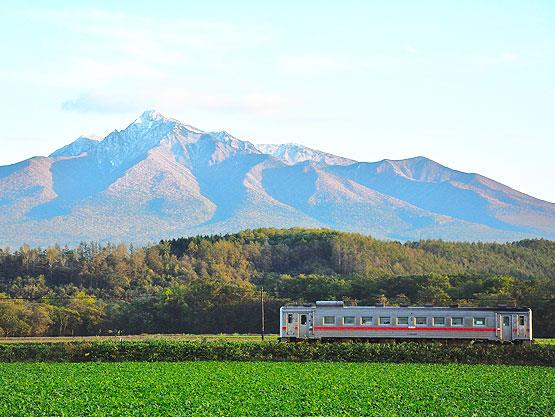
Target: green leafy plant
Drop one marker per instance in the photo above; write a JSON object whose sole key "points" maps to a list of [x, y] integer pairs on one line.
{"points": [[274, 389]]}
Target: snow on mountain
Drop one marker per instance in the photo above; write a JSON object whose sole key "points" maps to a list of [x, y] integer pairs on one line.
{"points": [[293, 153], [159, 178], [78, 146], [131, 144], [149, 117]]}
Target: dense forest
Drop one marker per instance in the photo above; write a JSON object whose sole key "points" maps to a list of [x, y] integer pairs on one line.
{"points": [[212, 284]]}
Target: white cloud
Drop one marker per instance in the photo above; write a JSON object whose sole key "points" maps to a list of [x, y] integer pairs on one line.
{"points": [[315, 64], [138, 34], [85, 71], [479, 62], [266, 103], [141, 34], [99, 103], [102, 47], [310, 64], [176, 99], [509, 56], [255, 103]]}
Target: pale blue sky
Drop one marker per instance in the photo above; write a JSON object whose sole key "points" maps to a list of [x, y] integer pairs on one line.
{"points": [[468, 84]]}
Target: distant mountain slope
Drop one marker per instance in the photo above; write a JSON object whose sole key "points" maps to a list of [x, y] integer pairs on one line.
{"points": [[160, 178], [292, 153]]}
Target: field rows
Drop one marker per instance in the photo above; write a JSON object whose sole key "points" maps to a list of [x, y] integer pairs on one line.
{"points": [[262, 388]]}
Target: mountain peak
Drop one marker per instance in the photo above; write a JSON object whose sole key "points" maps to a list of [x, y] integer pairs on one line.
{"points": [[150, 118], [83, 143], [421, 168], [151, 115]]}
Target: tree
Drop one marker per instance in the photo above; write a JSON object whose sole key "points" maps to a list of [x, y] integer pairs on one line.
{"points": [[89, 313], [14, 317], [40, 319], [52, 256], [65, 320]]}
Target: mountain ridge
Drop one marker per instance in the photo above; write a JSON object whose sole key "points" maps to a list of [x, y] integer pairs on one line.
{"points": [[160, 178]]}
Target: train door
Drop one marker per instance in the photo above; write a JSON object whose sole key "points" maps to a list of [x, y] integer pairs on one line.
{"points": [[304, 325], [298, 325], [506, 327], [292, 325], [521, 326]]}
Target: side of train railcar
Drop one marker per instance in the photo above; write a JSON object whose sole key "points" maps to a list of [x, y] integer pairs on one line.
{"points": [[333, 320]]}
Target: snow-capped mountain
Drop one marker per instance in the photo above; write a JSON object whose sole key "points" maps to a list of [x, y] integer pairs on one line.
{"points": [[292, 153], [160, 178]]}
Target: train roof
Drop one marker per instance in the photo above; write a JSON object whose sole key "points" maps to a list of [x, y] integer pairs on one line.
{"points": [[411, 307]]}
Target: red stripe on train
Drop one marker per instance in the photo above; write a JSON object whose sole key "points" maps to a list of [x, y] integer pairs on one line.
{"points": [[408, 329]]}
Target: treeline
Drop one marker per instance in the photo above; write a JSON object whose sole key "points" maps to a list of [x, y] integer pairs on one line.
{"points": [[211, 284]]}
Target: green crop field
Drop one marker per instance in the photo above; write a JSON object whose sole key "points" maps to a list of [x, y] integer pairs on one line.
{"points": [[269, 388]]}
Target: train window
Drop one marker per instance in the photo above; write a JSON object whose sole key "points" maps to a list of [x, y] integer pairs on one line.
{"points": [[303, 319], [456, 321], [402, 321], [329, 319], [385, 320], [479, 321], [439, 321], [349, 320], [521, 320], [366, 320], [421, 321], [506, 321], [290, 318]]}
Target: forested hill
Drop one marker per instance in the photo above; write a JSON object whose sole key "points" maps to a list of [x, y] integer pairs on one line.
{"points": [[210, 284], [322, 251]]}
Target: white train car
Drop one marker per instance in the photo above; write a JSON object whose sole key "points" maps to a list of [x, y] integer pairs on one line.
{"points": [[330, 320]]}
